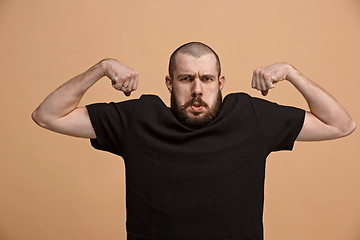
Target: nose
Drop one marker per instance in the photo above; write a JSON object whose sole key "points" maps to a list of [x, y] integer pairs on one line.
{"points": [[196, 88]]}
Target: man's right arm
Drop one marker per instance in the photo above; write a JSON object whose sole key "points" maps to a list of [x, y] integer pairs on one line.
{"points": [[59, 112]]}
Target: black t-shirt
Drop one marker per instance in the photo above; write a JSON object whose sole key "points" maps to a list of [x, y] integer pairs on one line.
{"points": [[185, 184]]}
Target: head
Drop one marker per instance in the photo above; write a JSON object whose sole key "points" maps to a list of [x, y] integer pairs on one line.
{"points": [[195, 84]]}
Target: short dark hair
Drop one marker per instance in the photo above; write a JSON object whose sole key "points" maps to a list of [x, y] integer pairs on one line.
{"points": [[195, 49]]}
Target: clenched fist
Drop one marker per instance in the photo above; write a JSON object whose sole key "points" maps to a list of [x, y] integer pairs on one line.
{"points": [[266, 78], [122, 77]]}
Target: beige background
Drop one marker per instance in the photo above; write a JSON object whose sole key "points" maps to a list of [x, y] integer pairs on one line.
{"points": [[54, 187]]}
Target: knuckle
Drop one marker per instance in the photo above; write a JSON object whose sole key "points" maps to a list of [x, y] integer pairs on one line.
{"points": [[267, 75], [267, 84]]}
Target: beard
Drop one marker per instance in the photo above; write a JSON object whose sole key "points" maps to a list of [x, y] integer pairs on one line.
{"points": [[196, 121]]}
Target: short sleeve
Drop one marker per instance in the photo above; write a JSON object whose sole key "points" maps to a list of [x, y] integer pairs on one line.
{"points": [[280, 124], [111, 123]]}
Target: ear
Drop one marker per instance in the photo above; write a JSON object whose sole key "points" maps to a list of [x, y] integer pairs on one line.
{"points": [[168, 83], [221, 82]]}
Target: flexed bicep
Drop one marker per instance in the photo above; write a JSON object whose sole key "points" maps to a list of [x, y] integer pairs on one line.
{"points": [[316, 130], [59, 112], [77, 124]]}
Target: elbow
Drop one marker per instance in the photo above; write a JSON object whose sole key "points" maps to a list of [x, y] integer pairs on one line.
{"points": [[350, 128], [36, 117]]}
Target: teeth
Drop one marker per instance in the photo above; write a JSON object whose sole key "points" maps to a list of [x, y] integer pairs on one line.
{"points": [[196, 104]]}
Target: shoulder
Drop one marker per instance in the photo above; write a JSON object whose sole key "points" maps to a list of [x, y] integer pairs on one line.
{"points": [[237, 104], [149, 105], [249, 105], [152, 101], [237, 95], [148, 98], [129, 105], [243, 99], [145, 99], [238, 99]]}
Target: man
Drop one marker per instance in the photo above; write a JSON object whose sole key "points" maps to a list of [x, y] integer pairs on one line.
{"points": [[196, 170]]}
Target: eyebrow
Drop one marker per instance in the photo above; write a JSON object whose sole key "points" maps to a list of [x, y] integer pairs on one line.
{"points": [[208, 75], [191, 74]]}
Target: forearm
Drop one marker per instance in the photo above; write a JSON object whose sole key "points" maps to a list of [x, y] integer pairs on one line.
{"points": [[322, 105], [67, 97]]}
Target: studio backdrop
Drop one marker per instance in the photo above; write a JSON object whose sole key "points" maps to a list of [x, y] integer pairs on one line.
{"points": [[55, 187]]}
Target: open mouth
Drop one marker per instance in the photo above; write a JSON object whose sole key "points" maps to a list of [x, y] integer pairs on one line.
{"points": [[196, 106]]}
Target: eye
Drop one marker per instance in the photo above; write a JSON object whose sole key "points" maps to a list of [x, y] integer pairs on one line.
{"points": [[207, 78], [186, 78]]}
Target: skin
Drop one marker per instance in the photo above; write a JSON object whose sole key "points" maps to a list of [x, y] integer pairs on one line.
{"points": [[326, 120], [59, 112], [195, 77]]}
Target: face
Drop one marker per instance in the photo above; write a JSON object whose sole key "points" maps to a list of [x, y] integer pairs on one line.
{"points": [[195, 89]]}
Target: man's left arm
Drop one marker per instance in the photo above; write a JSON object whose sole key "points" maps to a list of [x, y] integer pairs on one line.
{"points": [[326, 120]]}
